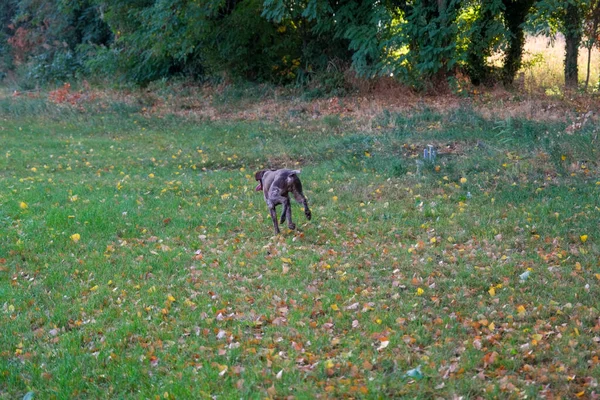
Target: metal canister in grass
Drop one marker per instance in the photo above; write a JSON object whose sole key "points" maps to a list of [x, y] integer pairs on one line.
{"points": [[429, 153]]}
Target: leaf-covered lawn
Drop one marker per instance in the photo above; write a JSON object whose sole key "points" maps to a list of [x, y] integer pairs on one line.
{"points": [[137, 261]]}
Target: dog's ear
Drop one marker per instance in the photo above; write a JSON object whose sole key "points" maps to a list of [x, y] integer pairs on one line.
{"points": [[259, 175]]}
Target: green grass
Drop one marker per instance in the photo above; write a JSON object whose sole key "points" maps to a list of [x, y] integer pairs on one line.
{"points": [[176, 287]]}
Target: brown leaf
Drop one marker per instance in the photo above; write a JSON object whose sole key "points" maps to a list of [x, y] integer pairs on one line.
{"points": [[489, 358]]}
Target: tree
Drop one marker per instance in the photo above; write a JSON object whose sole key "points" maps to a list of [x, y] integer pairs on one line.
{"points": [[515, 14], [564, 16], [486, 33], [591, 32], [573, 32], [45, 35], [8, 10]]}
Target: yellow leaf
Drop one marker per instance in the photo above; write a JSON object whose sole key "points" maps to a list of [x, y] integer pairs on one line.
{"points": [[94, 288], [334, 307], [367, 154], [580, 394], [521, 309], [583, 238], [329, 364], [286, 260], [432, 240], [23, 205], [75, 237], [463, 180], [189, 303], [170, 298], [420, 291], [492, 291], [150, 175], [492, 326], [334, 198]]}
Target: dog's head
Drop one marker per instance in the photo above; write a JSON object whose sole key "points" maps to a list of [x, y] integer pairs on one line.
{"points": [[258, 176]]}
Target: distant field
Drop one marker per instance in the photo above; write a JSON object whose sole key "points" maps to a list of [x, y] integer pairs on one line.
{"points": [[136, 261], [544, 64]]}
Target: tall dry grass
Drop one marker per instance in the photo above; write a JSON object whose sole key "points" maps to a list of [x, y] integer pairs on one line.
{"points": [[543, 65]]}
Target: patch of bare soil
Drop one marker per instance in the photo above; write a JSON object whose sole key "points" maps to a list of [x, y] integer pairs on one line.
{"points": [[360, 109], [364, 106]]}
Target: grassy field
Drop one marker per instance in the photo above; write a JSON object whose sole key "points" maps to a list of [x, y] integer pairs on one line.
{"points": [[137, 261]]}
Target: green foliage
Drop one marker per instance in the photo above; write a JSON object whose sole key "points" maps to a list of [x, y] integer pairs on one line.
{"points": [[7, 12], [277, 41], [44, 36], [429, 32], [165, 38], [485, 35]]}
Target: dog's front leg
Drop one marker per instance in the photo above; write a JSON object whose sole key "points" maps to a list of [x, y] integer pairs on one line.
{"points": [[274, 218]]}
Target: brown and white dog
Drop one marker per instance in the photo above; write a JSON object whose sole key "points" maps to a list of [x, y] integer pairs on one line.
{"points": [[276, 186]]}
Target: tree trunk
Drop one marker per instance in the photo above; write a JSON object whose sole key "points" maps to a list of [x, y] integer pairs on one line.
{"points": [[515, 14], [587, 75], [592, 35], [572, 41]]}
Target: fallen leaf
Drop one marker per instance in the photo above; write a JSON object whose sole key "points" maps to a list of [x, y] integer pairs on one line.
{"points": [[489, 359], [383, 345]]}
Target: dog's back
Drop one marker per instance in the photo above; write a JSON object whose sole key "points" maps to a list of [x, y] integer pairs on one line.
{"points": [[283, 181]]}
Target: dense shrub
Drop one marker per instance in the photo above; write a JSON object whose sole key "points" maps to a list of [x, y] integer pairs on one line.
{"points": [[303, 42]]}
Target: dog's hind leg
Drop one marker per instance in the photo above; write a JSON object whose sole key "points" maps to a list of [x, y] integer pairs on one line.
{"points": [[299, 197], [283, 213], [287, 207], [274, 218]]}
